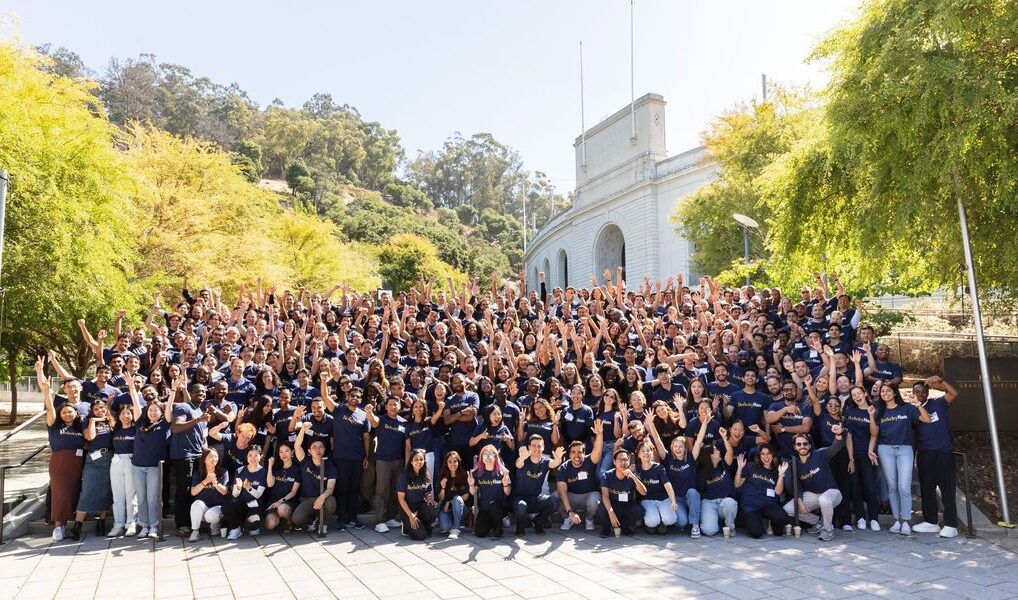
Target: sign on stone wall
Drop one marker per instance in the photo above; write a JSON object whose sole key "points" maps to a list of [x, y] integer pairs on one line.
{"points": [[968, 413]]}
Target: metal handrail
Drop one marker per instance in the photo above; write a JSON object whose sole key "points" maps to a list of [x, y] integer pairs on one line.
{"points": [[968, 498], [3, 481], [18, 429]]}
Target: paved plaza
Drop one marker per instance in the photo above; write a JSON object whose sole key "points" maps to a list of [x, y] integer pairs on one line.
{"points": [[364, 564]]}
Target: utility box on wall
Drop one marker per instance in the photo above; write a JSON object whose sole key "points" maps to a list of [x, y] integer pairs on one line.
{"points": [[968, 413]]}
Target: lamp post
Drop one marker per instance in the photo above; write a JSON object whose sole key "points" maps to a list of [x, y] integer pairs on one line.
{"points": [[747, 223]]}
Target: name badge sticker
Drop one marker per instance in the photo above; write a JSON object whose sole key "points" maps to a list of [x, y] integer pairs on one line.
{"points": [[770, 492], [581, 476], [934, 417], [624, 497], [79, 452], [95, 455]]}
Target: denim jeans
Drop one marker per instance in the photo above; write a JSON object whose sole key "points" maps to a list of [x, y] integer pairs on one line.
{"points": [[658, 512], [125, 504], [896, 464], [453, 518], [606, 457], [146, 484], [689, 508], [712, 510]]}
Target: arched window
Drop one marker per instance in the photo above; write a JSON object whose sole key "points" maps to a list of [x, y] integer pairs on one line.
{"points": [[610, 251], [563, 268]]}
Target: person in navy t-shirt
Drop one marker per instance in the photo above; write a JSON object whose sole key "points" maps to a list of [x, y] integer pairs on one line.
{"points": [[529, 490], [416, 498], [935, 459], [620, 508], [816, 482], [283, 479], [489, 482], [895, 420], [760, 486], [577, 481]]}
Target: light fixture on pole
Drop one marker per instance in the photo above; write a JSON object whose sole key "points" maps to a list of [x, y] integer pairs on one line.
{"points": [[747, 223]]}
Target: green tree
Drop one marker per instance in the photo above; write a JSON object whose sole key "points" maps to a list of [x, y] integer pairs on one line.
{"points": [[66, 254], [248, 155], [298, 177], [405, 257], [466, 214]]}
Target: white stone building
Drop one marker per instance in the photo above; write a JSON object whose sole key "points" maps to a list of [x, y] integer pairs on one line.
{"points": [[626, 189]]}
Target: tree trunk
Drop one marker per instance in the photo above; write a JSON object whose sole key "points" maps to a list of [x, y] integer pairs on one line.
{"points": [[12, 370]]}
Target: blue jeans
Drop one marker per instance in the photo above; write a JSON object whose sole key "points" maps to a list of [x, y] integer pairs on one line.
{"points": [[453, 518], [658, 512], [711, 510], [896, 464], [689, 508], [146, 486]]}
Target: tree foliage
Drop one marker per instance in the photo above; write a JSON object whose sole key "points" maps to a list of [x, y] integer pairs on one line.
{"points": [[407, 256]]}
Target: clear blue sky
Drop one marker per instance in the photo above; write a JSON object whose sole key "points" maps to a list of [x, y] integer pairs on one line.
{"points": [[430, 68]]}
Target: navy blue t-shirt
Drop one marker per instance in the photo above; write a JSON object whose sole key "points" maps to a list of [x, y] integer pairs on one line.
{"points": [[257, 480], [391, 436], [103, 439], [577, 424], [719, 483], [420, 435], [619, 490], [150, 447], [857, 422], [757, 489], [579, 480], [530, 478], [66, 437], [654, 478], [414, 491], [935, 435], [896, 425], [123, 439], [310, 476], [681, 473], [187, 444], [460, 431], [348, 429], [749, 407], [785, 445], [284, 480], [210, 496], [489, 488], [815, 474]]}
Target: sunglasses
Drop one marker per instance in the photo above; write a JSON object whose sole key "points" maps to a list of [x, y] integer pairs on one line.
{"points": [[487, 456], [802, 444]]}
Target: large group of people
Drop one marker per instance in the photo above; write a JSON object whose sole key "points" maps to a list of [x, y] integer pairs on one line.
{"points": [[664, 407]]}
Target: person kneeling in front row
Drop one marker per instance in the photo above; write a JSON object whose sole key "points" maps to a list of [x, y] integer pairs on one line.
{"points": [[415, 497], [620, 509], [317, 481]]}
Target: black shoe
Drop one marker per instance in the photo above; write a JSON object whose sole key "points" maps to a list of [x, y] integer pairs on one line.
{"points": [[75, 531], [100, 527], [495, 535], [539, 528], [521, 530], [605, 534], [662, 529]]}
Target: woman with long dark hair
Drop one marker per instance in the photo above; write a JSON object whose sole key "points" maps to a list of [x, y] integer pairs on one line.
{"points": [[416, 500], [894, 450], [209, 489], [283, 479], [861, 423], [760, 485], [453, 494], [67, 445]]}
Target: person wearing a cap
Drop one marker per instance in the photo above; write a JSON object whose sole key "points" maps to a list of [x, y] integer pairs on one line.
{"points": [[935, 458]]}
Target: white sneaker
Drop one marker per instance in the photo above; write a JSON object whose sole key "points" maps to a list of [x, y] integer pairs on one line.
{"points": [[132, 530], [234, 534], [896, 528], [948, 532], [393, 523], [223, 532], [860, 524], [143, 533], [58, 534], [567, 524], [847, 527], [153, 533], [382, 528], [256, 531], [905, 529], [193, 537], [695, 534], [116, 532], [874, 525], [925, 527], [454, 533], [588, 524]]}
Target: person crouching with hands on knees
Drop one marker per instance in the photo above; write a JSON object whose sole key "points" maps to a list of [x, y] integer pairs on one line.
{"points": [[283, 479], [489, 483], [250, 483], [578, 485], [620, 509], [317, 482], [209, 490], [415, 497], [718, 497]]}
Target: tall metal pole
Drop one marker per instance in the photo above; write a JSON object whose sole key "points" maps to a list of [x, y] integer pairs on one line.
{"points": [[984, 367], [583, 127], [632, 76], [763, 85], [745, 249], [3, 209], [524, 220]]}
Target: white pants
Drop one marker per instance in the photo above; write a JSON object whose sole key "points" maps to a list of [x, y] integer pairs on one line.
{"points": [[825, 502], [200, 512], [125, 502]]}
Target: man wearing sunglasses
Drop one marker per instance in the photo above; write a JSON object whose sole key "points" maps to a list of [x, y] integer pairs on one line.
{"points": [[817, 483]]}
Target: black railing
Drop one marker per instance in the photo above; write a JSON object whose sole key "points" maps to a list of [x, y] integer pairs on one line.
{"points": [[968, 497], [3, 480]]}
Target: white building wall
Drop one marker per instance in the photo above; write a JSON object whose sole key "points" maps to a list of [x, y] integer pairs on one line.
{"points": [[629, 183]]}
